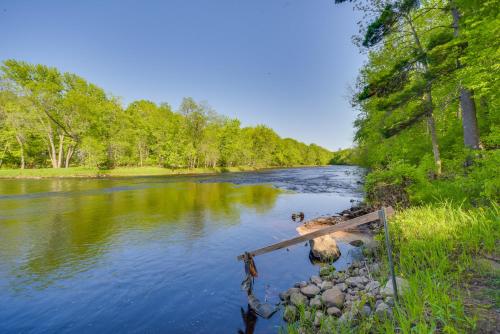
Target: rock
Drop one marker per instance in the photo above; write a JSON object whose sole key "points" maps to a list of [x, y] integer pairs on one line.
{"points": [[315, 302], [349, 315], [355, 280], [356, 243], [302, 284], [290, 313], [316, 280], [334, 311], [333, 297], [342, 287], [310, 290], [307, 315], [317, 318], [389, 301], [374, 268], [366, 310], [382, 310], [297, 299], [325, 248], [388, 290], [372, 286], [325, 285], [283, 296]]}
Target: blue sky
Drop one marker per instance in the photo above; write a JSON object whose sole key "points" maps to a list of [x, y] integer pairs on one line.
{"points": [[284, 63]]}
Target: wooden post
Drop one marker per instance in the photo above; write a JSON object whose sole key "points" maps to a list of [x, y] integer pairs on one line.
{"points": [[383, 219]]}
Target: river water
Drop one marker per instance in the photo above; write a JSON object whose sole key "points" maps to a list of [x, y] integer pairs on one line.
{"points": [[156, 254]]}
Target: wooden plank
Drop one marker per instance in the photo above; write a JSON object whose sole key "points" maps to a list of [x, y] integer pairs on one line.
{"points": [[309, 236]]}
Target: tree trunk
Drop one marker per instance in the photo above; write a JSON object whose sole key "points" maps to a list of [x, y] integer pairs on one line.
{"points": [[61, 151], [467, 103], [428, 99], [21, 145], [52, 149], [469, 120], [69, 154], [435, 146]]}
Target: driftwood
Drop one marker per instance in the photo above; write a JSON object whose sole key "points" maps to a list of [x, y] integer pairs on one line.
{"points": [[309, 236]]}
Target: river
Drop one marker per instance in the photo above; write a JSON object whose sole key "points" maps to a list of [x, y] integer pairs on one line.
{"points": [[156, 254]]}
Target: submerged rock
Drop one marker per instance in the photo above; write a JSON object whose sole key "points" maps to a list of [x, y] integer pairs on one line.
{"points": [[325, 248]]}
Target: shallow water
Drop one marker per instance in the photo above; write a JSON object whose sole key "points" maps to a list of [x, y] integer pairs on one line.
{"points": [[156, 254]]}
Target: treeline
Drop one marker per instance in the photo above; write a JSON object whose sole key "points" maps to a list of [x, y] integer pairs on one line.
{"points": [[428, 98], [54, 119]]}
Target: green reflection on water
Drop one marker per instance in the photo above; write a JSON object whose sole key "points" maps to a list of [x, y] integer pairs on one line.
{"points": [[55, 228]]}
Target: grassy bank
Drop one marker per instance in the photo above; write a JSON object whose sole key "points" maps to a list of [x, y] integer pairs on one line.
{"points": [[445, 252], [121, 171]]}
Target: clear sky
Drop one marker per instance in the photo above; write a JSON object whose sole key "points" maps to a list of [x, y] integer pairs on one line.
{"points": [[284, 63]]}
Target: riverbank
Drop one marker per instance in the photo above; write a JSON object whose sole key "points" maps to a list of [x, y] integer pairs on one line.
{"points": [[84, 172], [447, 255]]}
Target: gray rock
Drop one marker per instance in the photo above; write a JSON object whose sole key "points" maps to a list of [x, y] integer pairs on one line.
{"points": [[325, 285], [378, 302], [297, 298], [334, 311], [310, 290], [316, 280], [342, 287], [388, 290], [290, 313], [366, 310], [315, 302], [372, 286], [307, 315], [333, 297], [374, 268], [383, 310], [355, 280], [317, 318], [389, 301], [302, 284]]}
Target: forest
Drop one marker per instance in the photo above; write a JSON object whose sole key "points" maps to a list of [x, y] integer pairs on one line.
{"points": [[428, 99], [428, 130], [59, 120]]}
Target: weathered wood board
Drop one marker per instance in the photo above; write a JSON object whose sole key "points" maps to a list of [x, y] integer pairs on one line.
{"points": [[306, 237]]}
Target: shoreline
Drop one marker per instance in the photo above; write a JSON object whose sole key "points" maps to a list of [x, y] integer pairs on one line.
{"points": [[91, 173]]}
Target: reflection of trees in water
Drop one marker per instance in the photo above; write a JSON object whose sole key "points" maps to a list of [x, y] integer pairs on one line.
{"points": [[72, 230]]}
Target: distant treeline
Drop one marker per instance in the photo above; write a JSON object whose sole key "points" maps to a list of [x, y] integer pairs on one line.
{"points": [[54, 119]]}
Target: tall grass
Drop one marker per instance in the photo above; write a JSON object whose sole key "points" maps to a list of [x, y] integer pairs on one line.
{"points": [[435, 248]]}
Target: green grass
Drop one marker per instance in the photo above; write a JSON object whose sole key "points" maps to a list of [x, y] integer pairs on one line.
{"points": [[436, 248], [121, 171]]}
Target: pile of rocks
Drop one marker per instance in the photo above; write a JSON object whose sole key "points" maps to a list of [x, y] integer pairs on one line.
{"points": [[347, 295]]}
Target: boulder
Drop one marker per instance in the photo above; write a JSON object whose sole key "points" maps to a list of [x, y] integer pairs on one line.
{"points": [[297, 299], [325, 285], [402, 284], [333, 297], [315, 302], [356, 281], [366, 310], [372, 286], [316, 280], [310, 290], [334, 311], [317, 318], [342, 287], [383, 310], [325, 248]]}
